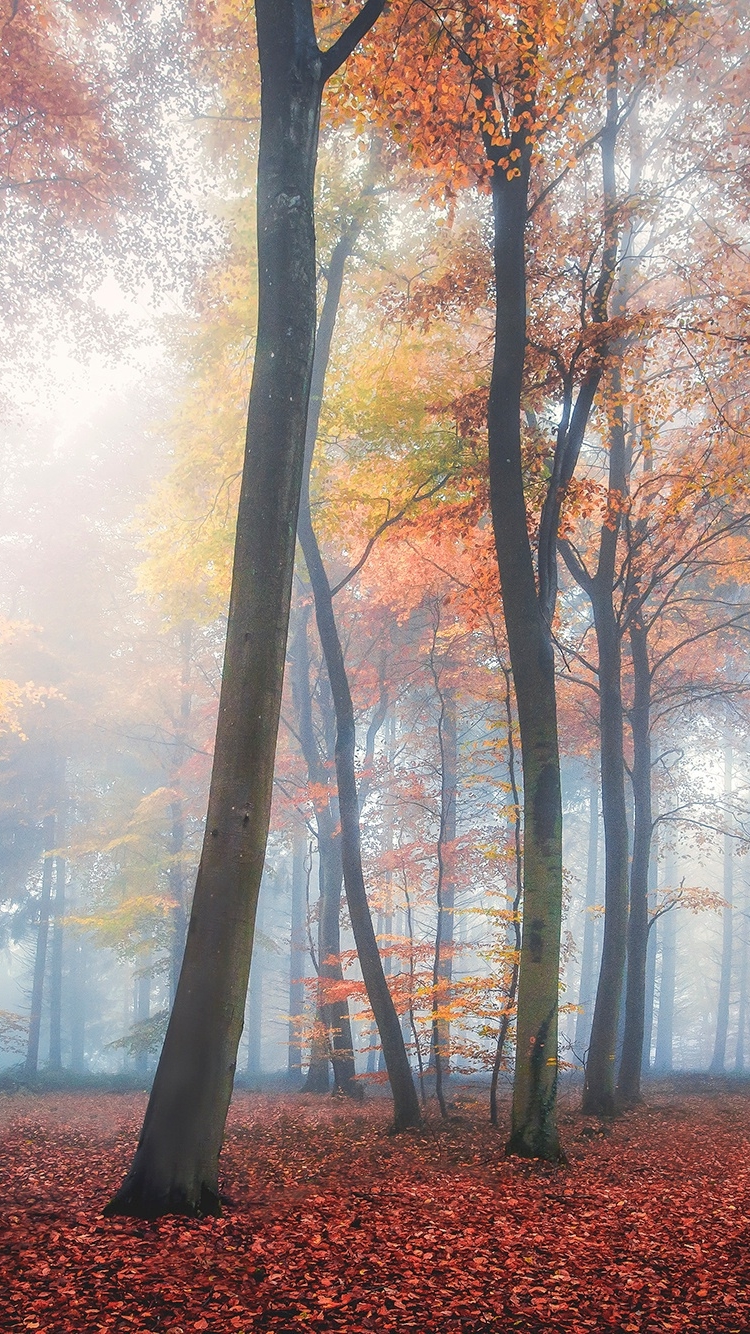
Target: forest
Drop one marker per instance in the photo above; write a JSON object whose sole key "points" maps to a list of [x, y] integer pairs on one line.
{"points": [[374, 676]]}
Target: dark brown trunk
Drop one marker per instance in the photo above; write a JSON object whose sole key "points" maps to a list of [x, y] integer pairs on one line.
{"points": [[631, 1060], [175, 1169]]}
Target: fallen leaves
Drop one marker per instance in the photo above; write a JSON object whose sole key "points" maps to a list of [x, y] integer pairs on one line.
{"points": [[337, 1226]]}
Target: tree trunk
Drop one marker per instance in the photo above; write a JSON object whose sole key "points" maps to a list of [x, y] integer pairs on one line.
{"points": [[442, 973], [534, 1122], [254, 1008], [599, 1089], [739, 1054], [405, 1101], [588, 952], [332, 1013], [56, 956], [142, 1009], [297, 955], [175, 1169], [629, 1077], [177, 885], [663, 1057], [648, 1015], [40, 958], [718, 1060]]}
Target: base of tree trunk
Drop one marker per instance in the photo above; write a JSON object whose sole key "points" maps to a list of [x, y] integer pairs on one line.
{"points": [[603, 1105], [135, 1199], [524, 1143]]}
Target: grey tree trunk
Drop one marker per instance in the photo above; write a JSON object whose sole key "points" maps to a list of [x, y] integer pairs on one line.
{"points": [[40, 958], [297, 954], [175, 1169], [56, 954], [588, 951], [663, 1056], [631, 1060], [648, 1022], [405, 1102], [718, 1060]]}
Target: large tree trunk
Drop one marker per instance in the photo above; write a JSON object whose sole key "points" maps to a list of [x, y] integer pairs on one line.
{"points": [[175, 1169], [40, 958], [534, 1124], [718, 1060], [631, 1060]]}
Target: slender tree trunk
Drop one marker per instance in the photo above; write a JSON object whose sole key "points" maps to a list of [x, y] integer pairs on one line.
{"points": [[514, 927], [142, 1009], [79, 979], [739, 1055], [175, 1169], [663, 1057], [177, 881], [718, 1060], [405, 1101], [588, 951], [56, 956], [648, 1023], [629, 1077], [297, 955], [599, 1089], [40, 958], [332, 1013], [442, 972]]}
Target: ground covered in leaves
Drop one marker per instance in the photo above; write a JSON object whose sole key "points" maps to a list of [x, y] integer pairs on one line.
{"points": [[335, 1225]]}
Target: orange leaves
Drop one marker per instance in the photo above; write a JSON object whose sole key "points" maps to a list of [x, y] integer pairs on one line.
{"points": [[334, 1225]]}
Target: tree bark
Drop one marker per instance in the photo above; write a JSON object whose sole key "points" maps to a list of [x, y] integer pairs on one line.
{"points": [[534, 1130], [631, 1060], [588, 951], [297, 955], [177, 885], [442, 972], [718, 1060], [332, 1014], [175, 1169], [56, 955], [663, 1057]]}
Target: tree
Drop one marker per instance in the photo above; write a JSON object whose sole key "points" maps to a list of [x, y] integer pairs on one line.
{"points": [[175, 1169]]}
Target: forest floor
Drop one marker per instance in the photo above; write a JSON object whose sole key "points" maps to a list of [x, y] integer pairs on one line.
{"points": [[336, 1225]]}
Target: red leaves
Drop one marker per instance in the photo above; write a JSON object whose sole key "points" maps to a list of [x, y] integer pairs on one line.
{"points": [[337, 1226]]}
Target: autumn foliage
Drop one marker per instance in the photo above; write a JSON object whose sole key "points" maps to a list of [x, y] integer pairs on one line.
{"points": [[336, 1226]]}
